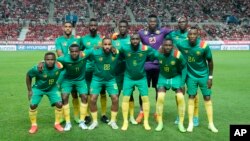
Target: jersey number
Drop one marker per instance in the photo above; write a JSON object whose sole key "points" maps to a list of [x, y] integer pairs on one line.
{"points": [[152, 40], [51, 81], [106, 67], [166, 69], [191, 59]]}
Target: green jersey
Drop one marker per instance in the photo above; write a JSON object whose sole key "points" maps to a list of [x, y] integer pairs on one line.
{"points": [[196, 57], [46, 79], [172, 65], [62, 43], [105, 64], [90, 42], [119, 43], [135, 60], [177, 36], [74, 69]]}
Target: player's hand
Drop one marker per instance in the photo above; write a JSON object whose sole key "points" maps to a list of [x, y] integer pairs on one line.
{"points": [[30, 93], [40, 66], [209, 83], [114, 36], [114, 50]]}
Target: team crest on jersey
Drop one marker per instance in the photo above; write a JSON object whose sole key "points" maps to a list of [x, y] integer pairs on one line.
{"points": [[57, 72], [152, 40], [74, 42], [172, 62], [113, 58], [145, 32], [88, 43], [198, 53], [100, 59], [140, 54], [45, 76], [186, 51], [129, 54], [157, 32]]}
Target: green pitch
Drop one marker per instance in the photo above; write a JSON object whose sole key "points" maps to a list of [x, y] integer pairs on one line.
{"points": [[231, 93]]}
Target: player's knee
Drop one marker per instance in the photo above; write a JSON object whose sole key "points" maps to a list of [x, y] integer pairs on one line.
{"points": [[93, 99], [206, 98], [65, 98], [84, 98], [191, 96], [114, 99], [58, 105], [33, 106]]}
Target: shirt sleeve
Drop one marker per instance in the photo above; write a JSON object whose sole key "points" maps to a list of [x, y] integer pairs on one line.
{"points": [[58, 45], [33, 72]]}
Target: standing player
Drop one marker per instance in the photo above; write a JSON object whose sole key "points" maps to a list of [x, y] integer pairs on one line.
{"points": [[178, 36], [74, 77], [135, 76], [105, 63], [91, 41], [62, 44], [122, 39], [173, 71], [154, 37], [200, 74], [45, 85]]}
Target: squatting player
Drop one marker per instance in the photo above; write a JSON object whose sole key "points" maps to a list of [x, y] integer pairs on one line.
{"points": [[45, 85]]}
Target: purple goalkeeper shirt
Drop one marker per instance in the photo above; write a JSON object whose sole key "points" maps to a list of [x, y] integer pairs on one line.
{"points": [[154, 40]]}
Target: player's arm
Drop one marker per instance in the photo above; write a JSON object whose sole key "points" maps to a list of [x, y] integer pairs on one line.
{"points": [[183, 70], [210, 68], [209, 58], [30, 74], [58, 48]]}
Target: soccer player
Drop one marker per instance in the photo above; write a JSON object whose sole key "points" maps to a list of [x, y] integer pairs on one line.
{"points": [[135, 76], [173, 71], [45, 84], [178, 36], [199, 74], [122, 39], [90, 41], [153, 36], [62, 44], [105, 63], [74, 77]]}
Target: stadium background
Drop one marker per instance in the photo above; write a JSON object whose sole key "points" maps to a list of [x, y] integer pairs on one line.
{"points": [[27, 25]]}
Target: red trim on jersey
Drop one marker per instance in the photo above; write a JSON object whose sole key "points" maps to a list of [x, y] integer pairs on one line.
{"points": [[59, 65], [203, 44], [177, 53], [144, 47]]}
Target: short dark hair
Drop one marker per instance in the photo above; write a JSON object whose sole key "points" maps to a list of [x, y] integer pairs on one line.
{"points": [[168, 39], [93, 20], [67, 22], [49, 53], [106, 38], [74, 45], [124, 21], [152, 16]]}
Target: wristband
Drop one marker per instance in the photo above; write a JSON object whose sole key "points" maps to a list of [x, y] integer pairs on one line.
{"points": [[210, 77]]}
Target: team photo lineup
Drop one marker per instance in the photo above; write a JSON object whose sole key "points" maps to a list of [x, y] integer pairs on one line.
{"points": [[113, 66], [124, 70]]}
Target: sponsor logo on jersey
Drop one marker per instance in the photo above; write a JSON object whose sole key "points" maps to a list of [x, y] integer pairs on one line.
{"points": [[157, 32], [100, 59]]}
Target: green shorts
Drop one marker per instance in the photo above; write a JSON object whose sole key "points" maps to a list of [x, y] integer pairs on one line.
{"points": [[110, 85], [68, 85], [53, 94], [119, 80], [88, 77], [174, 83], [130, 84], [194, 83]]}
